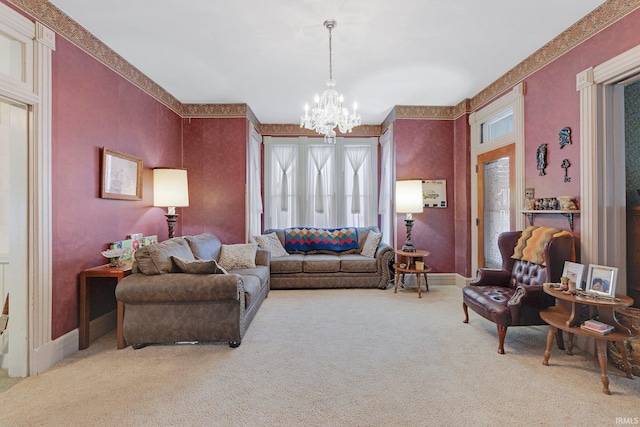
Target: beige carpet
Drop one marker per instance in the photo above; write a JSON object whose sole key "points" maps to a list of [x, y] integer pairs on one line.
{"points": [[331, 358]]}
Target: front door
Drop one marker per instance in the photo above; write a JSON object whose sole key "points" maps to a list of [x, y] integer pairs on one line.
{"points": [[496, 212]]}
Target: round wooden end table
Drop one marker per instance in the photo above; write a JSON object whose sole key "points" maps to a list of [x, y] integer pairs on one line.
{"points": [[571, 311], [406, 264]]}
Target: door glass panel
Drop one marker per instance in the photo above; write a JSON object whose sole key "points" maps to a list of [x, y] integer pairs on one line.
{"points": [[12, 58], [496, 208]]}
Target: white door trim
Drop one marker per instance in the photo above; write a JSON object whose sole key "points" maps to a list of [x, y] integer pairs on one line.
{"points": [[602, 189], [515, 100], [29, 346]]}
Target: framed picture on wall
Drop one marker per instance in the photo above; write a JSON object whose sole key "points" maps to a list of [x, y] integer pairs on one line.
{"points": [[434, 193], [121, 176], [601, 280]]}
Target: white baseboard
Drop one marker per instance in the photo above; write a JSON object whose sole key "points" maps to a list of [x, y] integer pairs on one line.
{"points": [[54, 351]]}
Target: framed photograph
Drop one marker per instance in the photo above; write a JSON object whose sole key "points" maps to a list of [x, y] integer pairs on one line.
{"points": [[434, 193], [601, 280], [121, 176], [574, 272]]}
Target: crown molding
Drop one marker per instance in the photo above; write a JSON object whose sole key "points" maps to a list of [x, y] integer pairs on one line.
{"points": [[600, 18], [296, 130]]}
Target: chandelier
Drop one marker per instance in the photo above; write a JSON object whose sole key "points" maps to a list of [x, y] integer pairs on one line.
{"points": [[329, 112]]}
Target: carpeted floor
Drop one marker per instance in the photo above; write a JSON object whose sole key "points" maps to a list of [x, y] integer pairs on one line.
{"points": [[332, 358]]}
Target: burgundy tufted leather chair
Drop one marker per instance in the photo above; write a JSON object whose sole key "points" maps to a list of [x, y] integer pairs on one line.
{"points": [[513, 295]]}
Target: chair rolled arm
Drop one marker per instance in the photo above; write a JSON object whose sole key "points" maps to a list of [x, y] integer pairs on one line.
{"points": [[531, 295], [491, 277]]}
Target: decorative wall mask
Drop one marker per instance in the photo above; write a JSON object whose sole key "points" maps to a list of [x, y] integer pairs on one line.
{"points": [[542, 158], [565, 137], [565, 165]]}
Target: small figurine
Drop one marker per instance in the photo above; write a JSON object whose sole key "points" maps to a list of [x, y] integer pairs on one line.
{"points": [[542, 158], [565, 137], [567, 203]]}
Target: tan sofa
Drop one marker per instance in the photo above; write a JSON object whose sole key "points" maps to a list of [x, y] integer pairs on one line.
{"points": [[331, 269], [164, 305]]}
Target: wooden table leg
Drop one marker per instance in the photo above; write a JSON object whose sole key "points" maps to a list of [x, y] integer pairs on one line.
{"points": [[601, 346], [570, 344], [625, 361], [83, 326], [550, 337], [119, 334], [426, 281], [419, 287]]}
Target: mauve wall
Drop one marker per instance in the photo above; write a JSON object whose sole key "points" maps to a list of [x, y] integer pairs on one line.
{"points": [[215, 152], [552, 102], [93, 107], [424, 150]]}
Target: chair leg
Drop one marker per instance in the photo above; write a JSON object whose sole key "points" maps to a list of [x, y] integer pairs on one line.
{"points": [[502, 333], [466, 313]]}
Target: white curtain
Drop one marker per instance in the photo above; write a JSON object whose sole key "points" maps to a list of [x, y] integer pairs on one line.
{"points": [[356, 156], [385, 208], [254, 197], [320, 155], [285, 155]]}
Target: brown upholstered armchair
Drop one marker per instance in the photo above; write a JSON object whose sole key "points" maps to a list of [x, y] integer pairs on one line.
{"points": [[513, 295]]}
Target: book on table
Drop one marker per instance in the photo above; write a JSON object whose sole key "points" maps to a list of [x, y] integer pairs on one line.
{"points": [[597, 326]]}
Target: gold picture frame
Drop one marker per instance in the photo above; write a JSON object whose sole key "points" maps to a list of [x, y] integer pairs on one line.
{"points": [[121, 176]]}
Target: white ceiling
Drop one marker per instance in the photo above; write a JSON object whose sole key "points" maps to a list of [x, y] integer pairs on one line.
{"points": [[274, 55]]}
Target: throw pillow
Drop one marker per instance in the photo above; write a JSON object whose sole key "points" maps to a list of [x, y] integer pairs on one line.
{"points": [[242, 255], [271, 243], [199, 266], [371, 244]]}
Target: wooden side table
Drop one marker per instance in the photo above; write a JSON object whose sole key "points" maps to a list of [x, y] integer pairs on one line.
{"points": [[118, 273], [567, 315], [408, 259]]}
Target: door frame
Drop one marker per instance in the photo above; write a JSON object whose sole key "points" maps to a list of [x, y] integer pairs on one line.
{"points": [[499, 153], [515, 100], [31, 349], [602, 164]]}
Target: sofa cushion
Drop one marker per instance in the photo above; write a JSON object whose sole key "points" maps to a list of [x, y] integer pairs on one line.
{"points": [[356, 263], [290, 264], [198, 266], [271, 243], [242, 255], [371, 244], [156, 258], [204, 246], [321, 264], [252, 287], [259, 271], [310, 239]]}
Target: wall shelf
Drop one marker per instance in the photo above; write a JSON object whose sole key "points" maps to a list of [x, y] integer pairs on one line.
{"points": [[568, 214]]}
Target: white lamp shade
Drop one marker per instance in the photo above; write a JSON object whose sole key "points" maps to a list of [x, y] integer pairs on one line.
{"points": [[409, 196], [170, 187]]}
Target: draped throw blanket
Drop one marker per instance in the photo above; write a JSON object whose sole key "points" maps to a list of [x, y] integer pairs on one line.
{"points": [[530, 246], [311, 239]]}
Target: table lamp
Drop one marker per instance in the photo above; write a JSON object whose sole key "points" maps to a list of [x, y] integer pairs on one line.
{"points": [[170, 190], [409, 200]]}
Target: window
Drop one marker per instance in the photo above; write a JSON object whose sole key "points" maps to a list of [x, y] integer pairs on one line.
{"points": [[497, 126], [311, 183]]}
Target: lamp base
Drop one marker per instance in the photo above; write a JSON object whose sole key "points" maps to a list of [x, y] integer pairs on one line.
{"points": [[171, 223], [408, 243]]}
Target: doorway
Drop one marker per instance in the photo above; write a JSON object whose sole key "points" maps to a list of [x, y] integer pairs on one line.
{"points": [[14, 142], [496, 208]]}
